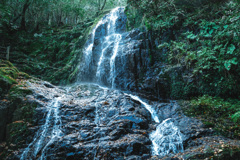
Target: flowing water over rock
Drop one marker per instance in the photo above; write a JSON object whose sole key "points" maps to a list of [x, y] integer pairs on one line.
{"points": [[167, 137], [113, 57], [47, 134], [162, 143], [87, 121]]}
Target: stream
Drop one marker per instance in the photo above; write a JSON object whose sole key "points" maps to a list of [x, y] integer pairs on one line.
{"points": [[89, 121]]}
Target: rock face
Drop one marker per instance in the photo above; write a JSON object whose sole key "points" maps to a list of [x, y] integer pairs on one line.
{"points": [[90, 122]]}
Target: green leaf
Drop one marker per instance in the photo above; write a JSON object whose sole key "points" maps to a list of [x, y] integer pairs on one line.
{"points": [[226, 26], [227, 65], [215, 27], [211, 31], [236, 117], [233, 61], [231, 49]]}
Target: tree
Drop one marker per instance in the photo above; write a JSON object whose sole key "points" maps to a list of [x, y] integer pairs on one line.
{"points": [[25, 7]]}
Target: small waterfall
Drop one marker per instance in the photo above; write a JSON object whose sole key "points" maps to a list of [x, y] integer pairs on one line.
{"points": [[101, 63], [147, 106], [97, 120], [88, 49], [111, 38], [167, 137], [41, 140], [113, 58]]}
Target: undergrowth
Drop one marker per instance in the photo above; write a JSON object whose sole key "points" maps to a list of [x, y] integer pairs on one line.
{"points": [[215, 112]]}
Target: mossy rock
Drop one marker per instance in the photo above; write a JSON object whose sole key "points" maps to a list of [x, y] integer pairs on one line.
{"points": [[24, 75], [16, 134], [8, 72], [8, 76], [18, 92], [24, 111]]}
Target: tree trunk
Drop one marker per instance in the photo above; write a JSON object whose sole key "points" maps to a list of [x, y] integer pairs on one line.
{"points": [[100, 8], [23, 21], [103, 6]]}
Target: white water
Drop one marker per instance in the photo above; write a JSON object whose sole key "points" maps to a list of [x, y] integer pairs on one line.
{"points": [[111, 38], [89, 48], [167, 137], [147, 106], [112, 61], [38, 144]]}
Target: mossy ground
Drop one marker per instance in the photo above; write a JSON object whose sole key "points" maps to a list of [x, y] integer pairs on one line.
{"points": [[19, 111], [215, 113]]}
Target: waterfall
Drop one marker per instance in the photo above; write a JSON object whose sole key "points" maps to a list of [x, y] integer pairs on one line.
{"points": [[167, 137], [111, 38], [51, 127], [147, 106], [101, 64]]}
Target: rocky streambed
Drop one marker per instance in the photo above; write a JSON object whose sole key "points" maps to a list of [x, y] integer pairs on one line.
{"points": [[87, 121]]}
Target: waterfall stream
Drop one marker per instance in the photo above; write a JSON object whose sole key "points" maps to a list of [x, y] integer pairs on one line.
{"points": [[101, 67], [50, 131], [167, 136]]}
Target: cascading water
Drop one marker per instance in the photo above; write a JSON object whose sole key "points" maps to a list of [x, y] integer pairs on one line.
{"points": [[48, 133], [167, 137], [111, 38], [100, 58], [147, 106], [108, 37]]}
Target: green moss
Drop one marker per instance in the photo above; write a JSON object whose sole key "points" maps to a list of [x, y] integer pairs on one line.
{"points": [[19, 91], [17, 132], [8, 72], [216, 113], [8, 76]]}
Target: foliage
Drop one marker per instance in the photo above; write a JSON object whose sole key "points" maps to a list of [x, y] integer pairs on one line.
{"points": [[37, 14], [8, 75], [217, 113], [201, 36]]}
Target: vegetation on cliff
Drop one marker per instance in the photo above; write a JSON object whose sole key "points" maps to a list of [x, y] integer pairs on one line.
{"points": [[198, 43]]}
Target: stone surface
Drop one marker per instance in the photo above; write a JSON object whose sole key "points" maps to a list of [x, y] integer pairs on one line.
{"points": [[100, 123]]}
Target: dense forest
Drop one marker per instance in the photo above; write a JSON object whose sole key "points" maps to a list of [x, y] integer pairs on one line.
{"points": [[165, 51]]}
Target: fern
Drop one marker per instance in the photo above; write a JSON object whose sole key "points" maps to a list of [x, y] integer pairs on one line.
{"points": [[236, 117]]}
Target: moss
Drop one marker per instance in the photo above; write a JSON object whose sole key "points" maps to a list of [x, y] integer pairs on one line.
{"points": [[19, 91], [8, 76], [24, 75], [215, 113], [25, 112], [17, 132]]}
